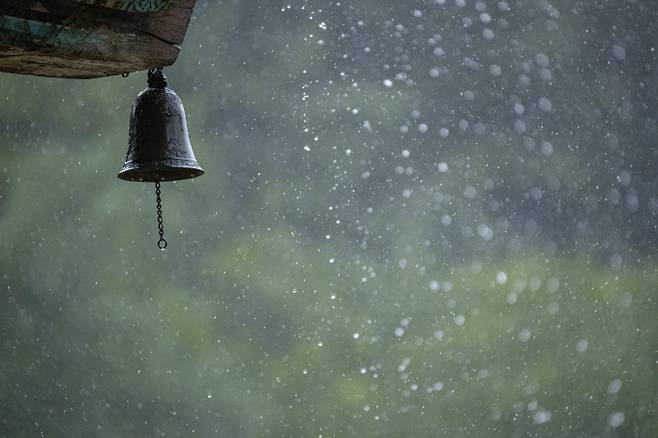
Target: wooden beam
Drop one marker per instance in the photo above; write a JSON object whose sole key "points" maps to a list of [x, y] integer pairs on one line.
{"points": [[90, 38]]}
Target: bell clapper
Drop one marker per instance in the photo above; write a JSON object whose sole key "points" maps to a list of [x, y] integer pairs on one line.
{"points": [[162, 243]]}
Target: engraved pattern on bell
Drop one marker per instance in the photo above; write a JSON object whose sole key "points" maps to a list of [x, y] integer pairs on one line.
{"points": [[171, 112]]}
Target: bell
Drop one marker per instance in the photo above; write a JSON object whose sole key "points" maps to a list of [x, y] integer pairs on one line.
{"points": [[159, 147]]}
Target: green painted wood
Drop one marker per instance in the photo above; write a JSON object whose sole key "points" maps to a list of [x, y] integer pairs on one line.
{"points": [[138, 6], [90, 38]]}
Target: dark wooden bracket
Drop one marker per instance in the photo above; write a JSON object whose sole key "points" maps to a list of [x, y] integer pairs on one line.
{"points": [[90, 38]]}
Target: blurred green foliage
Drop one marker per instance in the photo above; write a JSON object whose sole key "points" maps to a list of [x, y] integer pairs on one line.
{"points": [[321, 281]]}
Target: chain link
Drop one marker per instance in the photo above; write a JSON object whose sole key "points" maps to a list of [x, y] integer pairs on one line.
{"points": [[162, 243]]}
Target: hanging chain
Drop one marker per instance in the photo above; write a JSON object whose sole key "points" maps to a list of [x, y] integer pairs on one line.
{"points": [[162, 243]]}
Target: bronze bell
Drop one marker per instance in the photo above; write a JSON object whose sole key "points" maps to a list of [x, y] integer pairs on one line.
{"points": [[159, 147]]}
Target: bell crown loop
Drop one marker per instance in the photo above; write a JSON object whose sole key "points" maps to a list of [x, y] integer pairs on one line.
{"points": [[156, 78]]}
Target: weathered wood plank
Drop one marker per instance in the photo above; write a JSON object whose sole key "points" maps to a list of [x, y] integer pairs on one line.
{"points": [[90, 38]]}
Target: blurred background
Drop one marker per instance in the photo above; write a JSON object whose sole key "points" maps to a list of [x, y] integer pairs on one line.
{"points": [[419, 218]]}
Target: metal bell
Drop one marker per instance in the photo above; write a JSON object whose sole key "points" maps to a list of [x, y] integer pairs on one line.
{"points": [[159, 147]]}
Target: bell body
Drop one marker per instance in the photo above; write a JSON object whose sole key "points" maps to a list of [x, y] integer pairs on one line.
{"points": [[159, 146]]}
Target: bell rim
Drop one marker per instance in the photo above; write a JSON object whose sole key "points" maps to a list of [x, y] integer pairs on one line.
{"points": [[133, 173]]}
